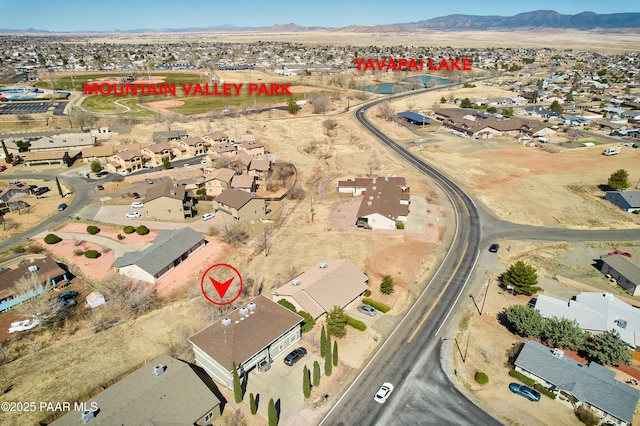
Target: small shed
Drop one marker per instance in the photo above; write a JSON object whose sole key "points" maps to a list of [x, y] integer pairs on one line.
{"points": [[95, 299]]}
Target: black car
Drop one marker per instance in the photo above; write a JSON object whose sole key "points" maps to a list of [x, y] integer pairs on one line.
{"points": [[62, 207], [493, 248], [294, 356], [68, 295]]}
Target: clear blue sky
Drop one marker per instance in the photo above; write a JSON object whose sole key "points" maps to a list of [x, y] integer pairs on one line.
{"points": [[74, 15]]}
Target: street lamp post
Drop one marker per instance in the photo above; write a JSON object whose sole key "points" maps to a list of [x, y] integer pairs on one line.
{"points": [[455, 339]]}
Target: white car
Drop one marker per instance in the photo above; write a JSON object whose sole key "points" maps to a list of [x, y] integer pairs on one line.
{"points": [[203, 161], [133, 214], [383, 393], [208, 216], [187, 165], [136, 205]]}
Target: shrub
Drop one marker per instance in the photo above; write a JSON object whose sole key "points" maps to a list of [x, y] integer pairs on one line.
{"points": [[128, 229], [92, 254], [120, 237], [35, 248], [482, 378], [308, 323], [367, 293], [379, 306], [587, 415], [287, 305], [544, 391], [142, 230], [52, 239], [18, 249], [92, 229], [78, 252], [636, 212], [521, 377], [357, 324], [399, 225]]}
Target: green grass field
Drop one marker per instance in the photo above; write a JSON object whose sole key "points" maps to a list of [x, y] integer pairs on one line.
{"points": [[202, 104]]}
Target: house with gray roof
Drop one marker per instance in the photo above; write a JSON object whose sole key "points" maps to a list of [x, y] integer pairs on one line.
{"points": [[576, 384], [167, 200], [169, 249], [626, 200], [77, 141], [386, 201], [164, 391], [597, 313], [624, 271]]}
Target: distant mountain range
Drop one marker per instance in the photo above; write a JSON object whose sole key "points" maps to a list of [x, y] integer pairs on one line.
{"points": [[539, 19]]}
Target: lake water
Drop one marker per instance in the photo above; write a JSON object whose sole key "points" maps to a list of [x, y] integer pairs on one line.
{"points": [[409, 83]]}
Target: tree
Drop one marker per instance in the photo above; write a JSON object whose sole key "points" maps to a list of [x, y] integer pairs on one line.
{"points": [[336, 325], [335, 353], [272, 413], [31, 289], [308, 323], [564, 333], [237, 387], [618, 180], [507, 112], [59, 187], [329, 125], [492, 109], [443, 100], [166, 162], [556, 107], [387, 286], [328, 360], [323, 342], [202, 192], [373, 165], [316, 373], [525, 320], [386, 111], [82, 118], [8, 158], [252, 404], [522, 277], [96, 166], [306, 383], [131, 298], [292, 107], [465, 103], [608, 348]]}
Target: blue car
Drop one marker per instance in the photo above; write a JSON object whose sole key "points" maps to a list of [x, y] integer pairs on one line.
{"points": [[525, 391]]}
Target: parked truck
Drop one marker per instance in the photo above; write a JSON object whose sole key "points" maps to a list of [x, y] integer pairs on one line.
{"points": [[613, 150]]}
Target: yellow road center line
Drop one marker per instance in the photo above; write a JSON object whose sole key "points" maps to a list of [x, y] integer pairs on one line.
{"points": [[426, 315]]}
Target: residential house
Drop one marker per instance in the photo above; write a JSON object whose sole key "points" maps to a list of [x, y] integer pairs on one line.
{"points": [[596, 313], [594, 386], [13, 192], [243, 182], [226, 150], [71, 141], [253, 148], [48, 272], [166, 200], [215, 138], [241, 205], [626, 200], [353, 186], [49, 157], [164, 391], [218, 180], [126, 160], [385, 202], [98, 153], [171, 135], [169, 249], [481, 125], [624, 271], [259, 331], [319, 289], [259, 168], [193, 146], [156, 152]]}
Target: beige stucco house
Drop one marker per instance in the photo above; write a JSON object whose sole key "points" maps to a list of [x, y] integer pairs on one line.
{"points": [[240, 205]]}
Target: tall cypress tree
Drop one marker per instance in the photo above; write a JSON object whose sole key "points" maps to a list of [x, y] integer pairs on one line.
{"points": [[237, 388], [323, 342], [273, 414], [335, 353], [316, 373], [306, 383], [328, 367], [7, 157], [59, 187], [252, 404]]}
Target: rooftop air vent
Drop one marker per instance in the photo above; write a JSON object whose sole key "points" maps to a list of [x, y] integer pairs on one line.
{"points": [[251, 306], [323, 265], [32, 268], [295, 281], [226, 321], [159, 369], [558, 353], [244, 312]]}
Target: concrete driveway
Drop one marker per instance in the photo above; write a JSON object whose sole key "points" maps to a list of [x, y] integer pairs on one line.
{"points": [[282, 383]]}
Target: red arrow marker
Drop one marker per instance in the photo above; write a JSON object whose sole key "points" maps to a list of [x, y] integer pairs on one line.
{"points": [[221, 288]]}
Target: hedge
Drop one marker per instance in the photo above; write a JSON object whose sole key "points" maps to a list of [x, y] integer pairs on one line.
{"points": [[142, 230], [92, 229], [92, 254], [379, 306], [532, 384], [287, 305], [482, 378], [52, 239], [308, 323], [545, 391], [357, 324]]}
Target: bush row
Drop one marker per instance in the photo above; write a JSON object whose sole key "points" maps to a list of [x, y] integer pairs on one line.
{"points": [[357, 324], [532, 384], [379, 306]]}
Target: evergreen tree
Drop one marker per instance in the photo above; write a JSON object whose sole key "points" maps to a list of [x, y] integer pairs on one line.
{"points": [[608, 348], [306, 383], [328, 361], [618, 180], [335, 353], [166, 162], [292, 107], [466, 103], [316, 373], [272, 413], [8, 158], [336, 324], [237, 388], [556, 107], [564, 333], [59, 187], [387, 286], [95, 166], [522, 277], [526, 321], [323, 342], [252, 404]]}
